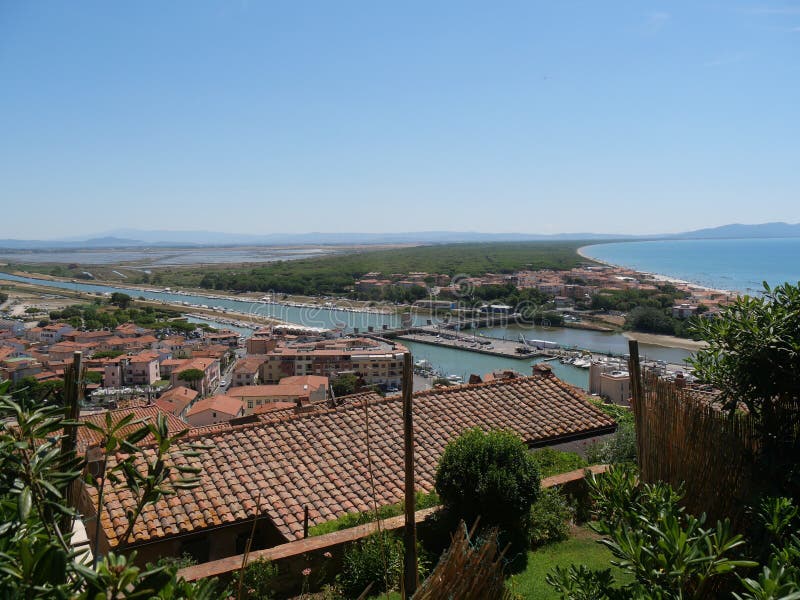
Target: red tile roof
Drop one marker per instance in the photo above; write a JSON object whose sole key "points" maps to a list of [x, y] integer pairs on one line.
{"points": [[88, 438], [221, 403], [273, 406], [312, 381], [177, 399], [250, 364], [318, 458]]}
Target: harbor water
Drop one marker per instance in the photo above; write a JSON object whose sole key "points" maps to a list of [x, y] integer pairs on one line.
{"points": [[449, 360]]}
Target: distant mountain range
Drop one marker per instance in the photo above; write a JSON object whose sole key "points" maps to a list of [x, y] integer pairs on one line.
{"points": [[137, 238], [739, 231]]}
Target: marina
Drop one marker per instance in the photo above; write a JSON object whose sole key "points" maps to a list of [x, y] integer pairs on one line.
{"points": [[460, 358]]}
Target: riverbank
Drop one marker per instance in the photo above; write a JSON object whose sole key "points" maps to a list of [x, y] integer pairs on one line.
{"points": [[666, 341], [250, 320], [294, 301]]}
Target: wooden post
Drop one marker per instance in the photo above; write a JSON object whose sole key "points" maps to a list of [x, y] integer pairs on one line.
{"points": [[635, 372], [305, 521], [637, 404], [410, 531], [73, 386]]}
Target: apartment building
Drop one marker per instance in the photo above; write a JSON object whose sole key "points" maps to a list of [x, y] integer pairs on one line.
{"points": [[299, 390], [139, 369], [205, 385], [377, 362]]}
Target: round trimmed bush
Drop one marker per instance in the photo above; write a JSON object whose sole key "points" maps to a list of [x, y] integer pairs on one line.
{"points": [[492, 475]]}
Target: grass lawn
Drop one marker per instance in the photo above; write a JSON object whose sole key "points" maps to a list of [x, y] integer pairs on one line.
{"points": [[580, 549]]}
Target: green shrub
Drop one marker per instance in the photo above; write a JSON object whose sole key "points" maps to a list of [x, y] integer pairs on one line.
{"points": [[345, 384], [553, 462], [668, 553], [621, 414], [259, 579], [349, 520], [492, 475], [376, 560], [551, 515], [620, 448]]}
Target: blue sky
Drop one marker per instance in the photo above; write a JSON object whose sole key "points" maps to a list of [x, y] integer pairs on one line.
{"points": [[259, 117]]}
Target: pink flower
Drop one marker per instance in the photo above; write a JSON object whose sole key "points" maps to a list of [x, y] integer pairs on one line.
{"points": [[328, 555], [306, 572]]}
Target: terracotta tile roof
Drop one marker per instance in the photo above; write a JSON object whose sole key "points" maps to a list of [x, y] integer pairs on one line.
{"points": [[173, 362], [181, 392], [250, 364], [273, 406], [196, 363], [144, 357], [177, 399], [220, 403], [263, 391], [318, 458], [88, 438], [312, 381]]}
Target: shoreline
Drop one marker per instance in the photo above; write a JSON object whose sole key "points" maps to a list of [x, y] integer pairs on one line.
{"points": [[655, 276], [252, 297], [665, 341]]}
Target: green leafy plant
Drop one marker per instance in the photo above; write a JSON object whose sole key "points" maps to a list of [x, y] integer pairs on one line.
{"points": [[488, 475], [191, 375], [375, 561], [753, 353], [349, 520], [753, 360], [553, 462], [345, 384], [779, 542], [619, 448], [37, 471], [550, 518], [259, 579], [670, 554]]}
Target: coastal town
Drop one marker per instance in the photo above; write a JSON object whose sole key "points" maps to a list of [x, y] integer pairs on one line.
{"points": [[399, 301], [40, 348], [567, 289], [250, 390], [129, 357]]}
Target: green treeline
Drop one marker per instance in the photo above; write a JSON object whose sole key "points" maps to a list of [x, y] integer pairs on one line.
{"points": [[648, 311], [98, 315], [337, 274]]}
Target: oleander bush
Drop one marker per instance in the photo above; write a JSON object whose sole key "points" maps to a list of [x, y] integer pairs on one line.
{"points": [[673, 555]]}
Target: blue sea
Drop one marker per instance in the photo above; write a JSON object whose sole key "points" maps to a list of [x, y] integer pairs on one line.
{"points": [[730, 264]]}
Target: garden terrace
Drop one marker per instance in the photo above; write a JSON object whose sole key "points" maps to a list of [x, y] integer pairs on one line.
{"points": [[322, 551], [286, 461]]}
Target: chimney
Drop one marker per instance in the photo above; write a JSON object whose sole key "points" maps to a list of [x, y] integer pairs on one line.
{"points": [[303, 405], [542, 370], [680, 380]]}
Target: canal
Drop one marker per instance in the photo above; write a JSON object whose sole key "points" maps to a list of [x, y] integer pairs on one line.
{"points": [[451, 361]]}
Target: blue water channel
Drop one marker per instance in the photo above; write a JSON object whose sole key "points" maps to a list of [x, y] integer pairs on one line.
{"points": [[452, 361]]}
